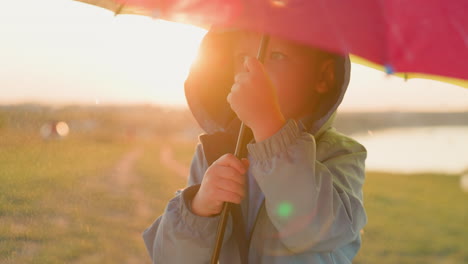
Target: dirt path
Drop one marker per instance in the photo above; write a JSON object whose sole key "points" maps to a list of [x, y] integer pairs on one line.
{"points": [[168, 160], [126, 180]]}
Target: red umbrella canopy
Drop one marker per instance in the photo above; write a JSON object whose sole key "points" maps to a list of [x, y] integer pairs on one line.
{"points": [[423, 38]]}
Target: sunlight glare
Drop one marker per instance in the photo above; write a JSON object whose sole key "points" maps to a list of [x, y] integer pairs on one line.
{"points": [[75, 52], [159, 54]]}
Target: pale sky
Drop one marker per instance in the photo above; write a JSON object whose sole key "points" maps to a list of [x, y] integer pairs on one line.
{"points": [[62, 51]]}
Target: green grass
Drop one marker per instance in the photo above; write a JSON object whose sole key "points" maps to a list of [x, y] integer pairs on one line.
{"points": [[414, 219], [59, 204], [184, 150], [50, 202]]}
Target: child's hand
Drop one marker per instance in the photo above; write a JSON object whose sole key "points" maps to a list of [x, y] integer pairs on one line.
{"points": [[224, 181], [254, 99]]}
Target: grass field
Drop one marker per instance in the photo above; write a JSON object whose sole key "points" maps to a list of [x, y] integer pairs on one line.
{"points": [[85, 199], [414, 219]]}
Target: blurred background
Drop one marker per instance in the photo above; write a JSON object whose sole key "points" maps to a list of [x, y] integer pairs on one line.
{"points": [[95, 138]]}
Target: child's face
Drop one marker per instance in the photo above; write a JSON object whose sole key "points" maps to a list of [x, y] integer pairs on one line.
{"points": [[291, 68]]}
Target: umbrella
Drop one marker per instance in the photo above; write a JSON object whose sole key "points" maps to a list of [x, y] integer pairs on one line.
{"points": [[416, 39]]}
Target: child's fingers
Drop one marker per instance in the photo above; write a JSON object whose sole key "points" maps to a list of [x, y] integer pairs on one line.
{"points": [[253, 65], [226, 196], [229, 173], [246, 162], [235, 88], [230, 186], [233, 97], [231, 161], [242, 77]]}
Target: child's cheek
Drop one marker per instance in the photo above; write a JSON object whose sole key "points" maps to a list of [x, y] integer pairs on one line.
{"points": [[293, 91]]}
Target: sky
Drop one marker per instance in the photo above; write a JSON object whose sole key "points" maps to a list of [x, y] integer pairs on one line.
{"points": [[62, 51]]}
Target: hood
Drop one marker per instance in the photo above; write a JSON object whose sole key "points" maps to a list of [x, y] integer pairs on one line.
{"points": [[212, 75]]}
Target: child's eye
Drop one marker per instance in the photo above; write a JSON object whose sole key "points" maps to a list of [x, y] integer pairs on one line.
{"points": [[276, 55]]}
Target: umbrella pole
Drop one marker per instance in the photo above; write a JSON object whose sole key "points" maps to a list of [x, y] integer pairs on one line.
{"points": [[238, 152]]}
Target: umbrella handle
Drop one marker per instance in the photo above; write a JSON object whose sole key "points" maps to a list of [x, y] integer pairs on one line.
{"points": [[238, 152]]}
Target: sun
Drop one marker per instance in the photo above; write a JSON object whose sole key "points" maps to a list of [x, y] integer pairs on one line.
{"points": [[159, 54], [71, 52]]}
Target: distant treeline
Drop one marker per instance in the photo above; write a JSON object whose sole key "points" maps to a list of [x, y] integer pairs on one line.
{"points": [[349, 123], [104, 119], [160, 120]]}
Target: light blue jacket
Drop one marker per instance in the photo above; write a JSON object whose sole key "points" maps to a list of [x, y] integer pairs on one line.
{"points": [[313, 210], [311, 178]]}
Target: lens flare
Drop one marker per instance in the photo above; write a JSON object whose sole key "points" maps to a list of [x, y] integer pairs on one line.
{"points": [[285, 209], [62, 129]]}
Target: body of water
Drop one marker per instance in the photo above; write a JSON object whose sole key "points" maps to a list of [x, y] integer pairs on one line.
{"points": [[420, 149]]}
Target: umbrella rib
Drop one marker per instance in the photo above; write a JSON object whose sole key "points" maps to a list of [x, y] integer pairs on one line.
{"points": [[119, 9]]}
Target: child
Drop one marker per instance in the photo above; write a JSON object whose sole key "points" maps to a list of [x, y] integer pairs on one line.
{"points": [[298, 196]]}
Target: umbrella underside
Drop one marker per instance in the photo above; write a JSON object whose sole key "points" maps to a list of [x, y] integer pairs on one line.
{"points": [[117, 7]]}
